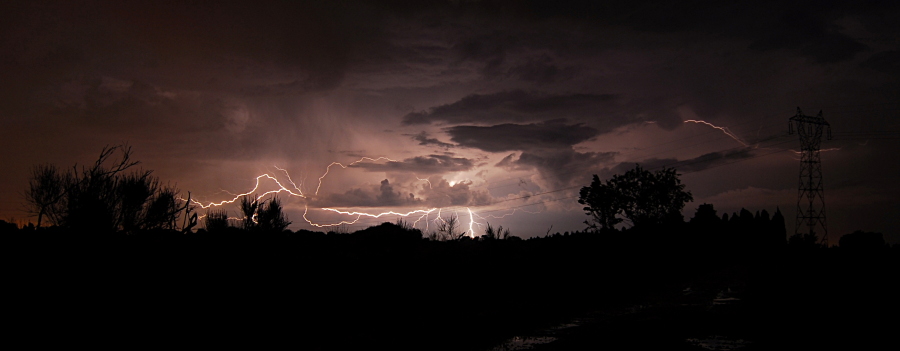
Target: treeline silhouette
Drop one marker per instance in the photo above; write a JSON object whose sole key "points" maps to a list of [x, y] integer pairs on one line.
{"points": [[391, 285], [105, 198], [255, 283]]}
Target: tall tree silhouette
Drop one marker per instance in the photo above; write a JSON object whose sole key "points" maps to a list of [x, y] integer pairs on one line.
{"points": [[603, 205], [640, 196], [706, 215]]}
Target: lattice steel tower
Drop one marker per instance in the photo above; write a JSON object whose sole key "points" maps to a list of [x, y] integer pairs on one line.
{"points": [[810, 193]]}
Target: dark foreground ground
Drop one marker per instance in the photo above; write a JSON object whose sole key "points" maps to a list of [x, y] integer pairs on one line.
{"points": [[420, 295]]}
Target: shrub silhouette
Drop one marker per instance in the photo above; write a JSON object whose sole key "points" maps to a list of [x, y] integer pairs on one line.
{"points": [[104, 198], [862, 241], [271, 218], [495, 234], [216, 221], [263, 216]]}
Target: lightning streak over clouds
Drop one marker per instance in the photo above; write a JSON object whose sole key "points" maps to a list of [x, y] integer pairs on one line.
{"points": [[356, 215], [723, 129], [328, 169]]}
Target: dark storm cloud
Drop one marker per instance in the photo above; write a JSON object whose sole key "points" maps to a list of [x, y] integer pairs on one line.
{"points": [[383, 195], [810, 36], [210, 78], [442, 194], [557, 167], [438, 193], [555, 134], [423, 139], [512, 106], [253, 48], [110, 103], [807, 29], [600, 112], [542, 70], [387, 196], [696, 164], [431, 164], [885, 62], [488, 49], [212, 82]]}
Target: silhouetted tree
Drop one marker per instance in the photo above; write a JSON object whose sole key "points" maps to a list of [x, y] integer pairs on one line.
{"points": [[104, 198], [642, 197], [8, 228], [777, 229], [706, 215], [270, 217], [804, 241], [45, 190], [216, 221], [860, 240], [249, 206], [135, 190], [707, 227], [145, 204], [405, 225], [603, 205], [447, 229], [495, 234], [263, 216]]}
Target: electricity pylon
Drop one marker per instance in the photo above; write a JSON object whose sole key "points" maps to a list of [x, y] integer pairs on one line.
{"points": [[811, 191]]}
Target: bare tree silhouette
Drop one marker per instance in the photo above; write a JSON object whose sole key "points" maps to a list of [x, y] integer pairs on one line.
{"points": [[447, 229], [45, 190]]}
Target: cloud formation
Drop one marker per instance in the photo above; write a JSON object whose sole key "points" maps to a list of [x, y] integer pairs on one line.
{"points": [[424, 139], [435, 192], [557, 168], [696, 164], [425, 165], [211, 94], [554, 134], [512, 106]]}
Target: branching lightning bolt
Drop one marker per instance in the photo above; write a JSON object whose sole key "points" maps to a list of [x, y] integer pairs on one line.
{"points": [[291, 188], [365, 214], [328, 169], [281, 188], [723, 129]]}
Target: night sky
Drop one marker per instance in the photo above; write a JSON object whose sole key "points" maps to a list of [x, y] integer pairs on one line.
{"points": [[494, 107]]}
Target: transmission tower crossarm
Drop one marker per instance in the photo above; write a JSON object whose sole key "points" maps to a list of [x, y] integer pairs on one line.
{"points": [[800, 117]]}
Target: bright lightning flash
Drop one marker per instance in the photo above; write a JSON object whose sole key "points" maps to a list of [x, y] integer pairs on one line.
{"points": [[422, 215]]}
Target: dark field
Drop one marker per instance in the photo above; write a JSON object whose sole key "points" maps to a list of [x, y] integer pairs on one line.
{"points": [[349, 293]]}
